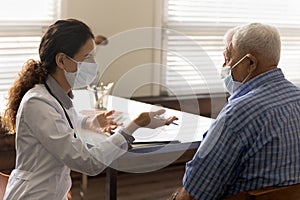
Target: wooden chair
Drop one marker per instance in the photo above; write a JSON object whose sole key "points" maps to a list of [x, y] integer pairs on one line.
{"points": [[291, 192], [3, 183]]}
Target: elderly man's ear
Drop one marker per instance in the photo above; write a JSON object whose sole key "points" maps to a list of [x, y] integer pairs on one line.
{"points": [[180, 194], [253, 62]]}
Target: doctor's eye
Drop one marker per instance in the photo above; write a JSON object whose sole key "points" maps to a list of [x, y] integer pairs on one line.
{"points": [[89, 58]]}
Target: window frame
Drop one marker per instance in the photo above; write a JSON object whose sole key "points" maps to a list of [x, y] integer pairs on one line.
{"points": [[223, 27], [19, 41]]}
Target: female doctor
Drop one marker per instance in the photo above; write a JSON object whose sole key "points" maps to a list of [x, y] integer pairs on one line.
{"points": [[41, 112]]}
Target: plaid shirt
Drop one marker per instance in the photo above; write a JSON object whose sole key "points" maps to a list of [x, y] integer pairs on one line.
{"points": [[254, 142]]}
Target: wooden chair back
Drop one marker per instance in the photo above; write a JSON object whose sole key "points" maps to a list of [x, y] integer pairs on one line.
{"points": [[3, 183]]}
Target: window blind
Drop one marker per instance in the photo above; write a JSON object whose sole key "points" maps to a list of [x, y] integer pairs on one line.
{"points": [[21, 27], [193, 40]]}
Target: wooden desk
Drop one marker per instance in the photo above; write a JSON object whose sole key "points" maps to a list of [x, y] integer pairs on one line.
{"points": [[147, 158]]}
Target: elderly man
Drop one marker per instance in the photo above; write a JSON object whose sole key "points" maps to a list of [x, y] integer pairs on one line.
{"points": [[255, 140]]}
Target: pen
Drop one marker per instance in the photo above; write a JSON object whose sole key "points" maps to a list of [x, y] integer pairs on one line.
{"points": [[159, 117], [174, 123]]}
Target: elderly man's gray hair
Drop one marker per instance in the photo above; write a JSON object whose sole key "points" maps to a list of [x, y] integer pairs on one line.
{"points": [[257, 38]]}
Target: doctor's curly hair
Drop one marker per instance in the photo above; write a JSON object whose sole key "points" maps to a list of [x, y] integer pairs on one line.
{"points": [[64, 36], [30, 75]]}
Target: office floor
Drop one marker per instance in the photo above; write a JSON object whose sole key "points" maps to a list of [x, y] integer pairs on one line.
{"points": [[156, 185]]}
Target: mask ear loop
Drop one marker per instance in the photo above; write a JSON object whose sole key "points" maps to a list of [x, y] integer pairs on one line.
{"points": [[236, 64], [72, 59], [251, 63]]}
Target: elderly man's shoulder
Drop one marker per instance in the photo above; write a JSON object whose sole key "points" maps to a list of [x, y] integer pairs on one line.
{"points": [[259, 101]]}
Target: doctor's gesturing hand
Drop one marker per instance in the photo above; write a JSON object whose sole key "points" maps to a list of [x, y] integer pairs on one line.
{"points": [[150, 120], [102, 122]]}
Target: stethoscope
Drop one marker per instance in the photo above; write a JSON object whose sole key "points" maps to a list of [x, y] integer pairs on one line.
{"points": [[66, 114]]}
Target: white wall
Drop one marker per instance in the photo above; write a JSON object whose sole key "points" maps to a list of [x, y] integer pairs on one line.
{"points": [[112, 17]]}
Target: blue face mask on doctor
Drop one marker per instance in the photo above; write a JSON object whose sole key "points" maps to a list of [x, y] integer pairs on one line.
{"points": [[231, 85]]}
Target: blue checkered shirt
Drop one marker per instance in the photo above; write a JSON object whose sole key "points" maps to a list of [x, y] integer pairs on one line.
{"points": [[254, 142]]}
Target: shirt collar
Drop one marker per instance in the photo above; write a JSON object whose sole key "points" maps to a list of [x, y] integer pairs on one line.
{"points": [[264, 78], [59, 93]]}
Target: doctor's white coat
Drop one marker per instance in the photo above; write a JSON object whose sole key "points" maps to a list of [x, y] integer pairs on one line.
{"points": [[47, 149]]}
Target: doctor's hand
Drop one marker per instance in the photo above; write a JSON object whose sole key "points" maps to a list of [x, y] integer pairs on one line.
{"points": [[102, 122], [150, 120]]}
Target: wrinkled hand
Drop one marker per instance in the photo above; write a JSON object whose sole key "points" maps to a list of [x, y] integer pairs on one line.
{"points": [[102, 122], [180, 194], [151, 120]]}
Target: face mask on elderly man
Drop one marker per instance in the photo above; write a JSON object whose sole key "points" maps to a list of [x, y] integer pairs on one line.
{"points": [[226, 76]]}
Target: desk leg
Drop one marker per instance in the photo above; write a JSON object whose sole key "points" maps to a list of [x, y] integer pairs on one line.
{"points": [[84, 184], [111, 184]]}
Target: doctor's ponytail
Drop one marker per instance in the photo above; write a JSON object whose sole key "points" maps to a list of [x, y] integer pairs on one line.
{"points": [[32, 73]]}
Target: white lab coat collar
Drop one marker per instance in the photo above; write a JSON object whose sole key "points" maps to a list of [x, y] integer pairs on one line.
{"points": [[59, 93]]}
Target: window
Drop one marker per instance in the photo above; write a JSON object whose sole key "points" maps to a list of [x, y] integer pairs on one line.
{"points": [[193, 39], [21, 27]]}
